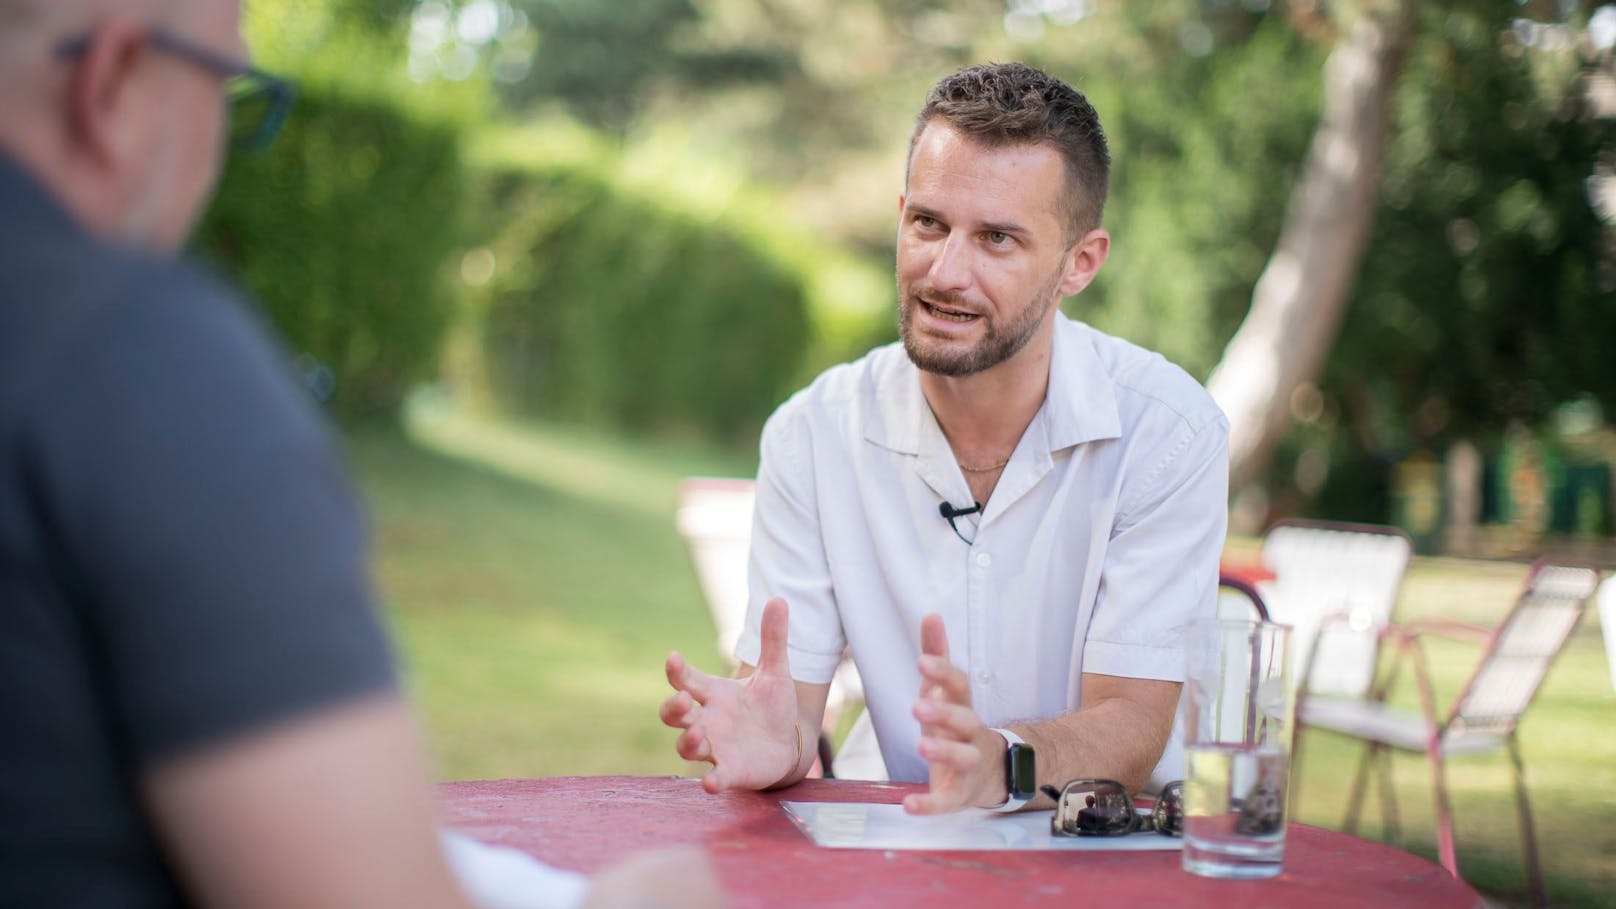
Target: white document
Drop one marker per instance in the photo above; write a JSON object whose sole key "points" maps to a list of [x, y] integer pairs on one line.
{"points": [[499, 877], [853, 825]]}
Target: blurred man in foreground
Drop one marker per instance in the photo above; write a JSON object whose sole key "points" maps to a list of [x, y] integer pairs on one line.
{"points": [[197, 705], [1007, 518]]}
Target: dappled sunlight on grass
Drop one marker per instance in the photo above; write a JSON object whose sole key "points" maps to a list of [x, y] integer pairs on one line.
{"points": [[588, 465], [533, 618]]}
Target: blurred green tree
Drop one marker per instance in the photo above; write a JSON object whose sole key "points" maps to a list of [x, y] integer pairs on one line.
{"points": [[342, 229], [606, 61], [1488, 294], [1211, 106], [608, 306]]}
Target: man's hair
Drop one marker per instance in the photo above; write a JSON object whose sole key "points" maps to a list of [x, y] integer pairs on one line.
{"points": [[1001, 104]]}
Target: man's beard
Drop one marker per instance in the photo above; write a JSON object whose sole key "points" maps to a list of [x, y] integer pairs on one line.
{"points": [[999, 342]]}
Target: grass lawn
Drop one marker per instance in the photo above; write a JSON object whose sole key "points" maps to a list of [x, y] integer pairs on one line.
{"points": [[536, 582]]}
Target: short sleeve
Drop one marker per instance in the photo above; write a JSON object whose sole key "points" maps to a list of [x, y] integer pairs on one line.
{"points": [[1161, 566], [200, 507], [788, 556]]}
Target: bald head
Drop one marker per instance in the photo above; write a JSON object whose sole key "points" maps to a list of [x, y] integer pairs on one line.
{"points": [[29, 28], [124, 131], [19, 23]]}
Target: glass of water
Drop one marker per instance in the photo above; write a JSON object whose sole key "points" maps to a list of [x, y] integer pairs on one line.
{"points": [[1237, 714]]}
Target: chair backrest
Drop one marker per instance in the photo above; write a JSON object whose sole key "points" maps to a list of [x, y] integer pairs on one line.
{"points": [[1323, 569], [1607, 623], [715, 519], [1523, 647], [1238, 599]]}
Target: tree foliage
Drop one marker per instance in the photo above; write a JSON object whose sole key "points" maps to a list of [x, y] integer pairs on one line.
{"points": [[1486, 297], [615, 308], [342, 228], [606, 61]]}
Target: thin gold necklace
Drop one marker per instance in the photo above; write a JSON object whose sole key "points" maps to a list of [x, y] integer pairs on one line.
{"points": [[988, 469]]}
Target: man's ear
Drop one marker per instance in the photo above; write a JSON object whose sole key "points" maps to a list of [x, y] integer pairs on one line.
{"points": [[103, 117], [900, 203], [1083, 261]]}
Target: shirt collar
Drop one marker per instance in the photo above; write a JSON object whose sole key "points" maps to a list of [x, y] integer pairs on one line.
{"points": [[1080, 405]]}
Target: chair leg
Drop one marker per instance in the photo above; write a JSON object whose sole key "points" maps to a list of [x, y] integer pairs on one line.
{"points": [[1355, 800], [826, 755], [1293, 798], [1444, 810], [1534, 868], [1388, 801]]}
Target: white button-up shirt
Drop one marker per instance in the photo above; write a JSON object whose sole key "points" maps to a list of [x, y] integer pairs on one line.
{"points": [[1100, 541]]}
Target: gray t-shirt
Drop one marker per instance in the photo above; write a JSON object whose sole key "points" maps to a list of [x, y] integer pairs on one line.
{"points": [[182, 560]]}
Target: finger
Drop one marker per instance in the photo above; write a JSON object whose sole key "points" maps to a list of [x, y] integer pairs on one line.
{"points": [[934, 636], [694, 746], [685, 677], [931, 803], [942, 679], [956, 721], [676, 711], [773, 659], [719, 779], [946, 753]]}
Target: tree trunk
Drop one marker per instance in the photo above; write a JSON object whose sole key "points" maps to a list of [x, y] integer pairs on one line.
{"points": [[1299, 300]]}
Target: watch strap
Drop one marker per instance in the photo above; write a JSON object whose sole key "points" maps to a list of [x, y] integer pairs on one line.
{"points": [[1012, 801]]}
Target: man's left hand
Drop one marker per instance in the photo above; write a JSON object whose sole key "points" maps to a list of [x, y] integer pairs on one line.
{"points": [[965, 759]]}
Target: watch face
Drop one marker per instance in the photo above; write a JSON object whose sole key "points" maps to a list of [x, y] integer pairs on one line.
{"points": [[1021, 773]]}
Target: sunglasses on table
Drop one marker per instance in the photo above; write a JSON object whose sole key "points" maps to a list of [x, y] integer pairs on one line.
{"points": [[1100, 807]]}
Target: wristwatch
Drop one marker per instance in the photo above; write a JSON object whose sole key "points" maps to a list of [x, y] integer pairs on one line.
{"points": [[1020, 772]]}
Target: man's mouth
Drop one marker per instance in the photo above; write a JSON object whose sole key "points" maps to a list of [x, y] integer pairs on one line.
{"points": [[947, 313]]}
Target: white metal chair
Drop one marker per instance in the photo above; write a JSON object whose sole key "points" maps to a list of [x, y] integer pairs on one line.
{"points": [[715, 519], [1516, 657], [1336, 585], [1607, 624]]}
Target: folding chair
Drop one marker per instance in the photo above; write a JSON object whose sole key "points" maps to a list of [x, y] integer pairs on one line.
{"points": [[715, 519], [1607, 624], [1336, 585], [1516, 657], [1239, 599]]}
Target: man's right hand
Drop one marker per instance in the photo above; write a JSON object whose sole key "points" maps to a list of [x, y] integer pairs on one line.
{"points": [[748, 728]]}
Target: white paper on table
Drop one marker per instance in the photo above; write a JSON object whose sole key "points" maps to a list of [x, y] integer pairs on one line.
{"points": [[854, 825], [499, 877]]}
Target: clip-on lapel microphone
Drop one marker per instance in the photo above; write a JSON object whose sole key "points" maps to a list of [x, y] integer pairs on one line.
{"points": [[950, 512]]}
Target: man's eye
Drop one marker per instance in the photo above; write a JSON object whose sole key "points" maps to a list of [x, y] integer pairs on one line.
{"points": [[998, 238], [925, 221]]}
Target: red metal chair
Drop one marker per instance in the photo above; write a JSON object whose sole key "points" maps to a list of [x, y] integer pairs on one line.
{"points": [[1516, 656], [1238, 598]]}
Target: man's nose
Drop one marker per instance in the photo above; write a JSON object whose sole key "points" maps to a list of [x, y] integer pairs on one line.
{"points": [[951, 269]]}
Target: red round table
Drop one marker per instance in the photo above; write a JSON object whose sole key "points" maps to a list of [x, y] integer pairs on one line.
{"points": [[585, 823]]}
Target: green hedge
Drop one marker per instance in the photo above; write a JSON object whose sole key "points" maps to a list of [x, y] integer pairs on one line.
{"points": [[608, 306], [342, 229]]}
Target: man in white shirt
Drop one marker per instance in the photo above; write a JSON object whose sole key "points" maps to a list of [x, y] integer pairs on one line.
{"points": [[1007, 520]]}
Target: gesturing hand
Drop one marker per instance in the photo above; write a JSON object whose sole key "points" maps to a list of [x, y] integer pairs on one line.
{"points": [[748, 729], [961, 754]]}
